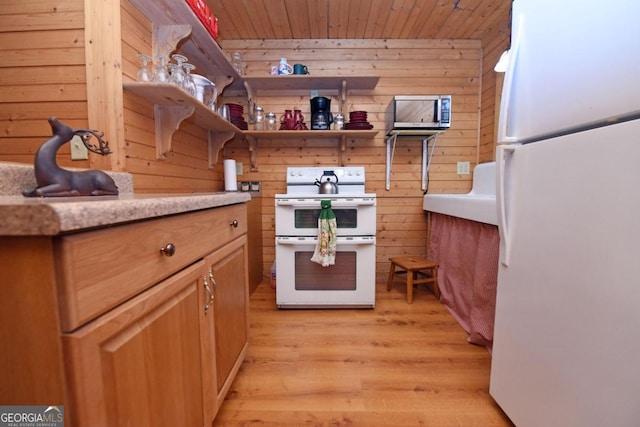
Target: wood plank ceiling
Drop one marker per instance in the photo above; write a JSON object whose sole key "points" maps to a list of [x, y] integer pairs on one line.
{"points": [[361, 19]]}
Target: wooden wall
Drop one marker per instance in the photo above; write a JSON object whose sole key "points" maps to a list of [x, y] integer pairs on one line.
{"points": [[43, 73]]}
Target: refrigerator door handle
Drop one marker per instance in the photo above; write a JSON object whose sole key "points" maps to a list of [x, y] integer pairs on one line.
{"points": [[505, 105], [502, 151]]}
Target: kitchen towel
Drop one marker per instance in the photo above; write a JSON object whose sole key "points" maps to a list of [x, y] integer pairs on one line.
{"points": [[325, 252], [230, 181]]}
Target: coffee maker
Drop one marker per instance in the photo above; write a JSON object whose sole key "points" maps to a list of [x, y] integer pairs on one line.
{"points": [[321, 117]]}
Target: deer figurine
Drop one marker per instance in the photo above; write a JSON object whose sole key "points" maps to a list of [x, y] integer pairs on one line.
{"points": [[53, 181]]}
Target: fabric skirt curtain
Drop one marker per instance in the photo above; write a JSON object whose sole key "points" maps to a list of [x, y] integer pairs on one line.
{"points": [[467, 252]]}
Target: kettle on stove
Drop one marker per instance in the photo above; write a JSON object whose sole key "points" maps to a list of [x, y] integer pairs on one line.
{"points": [[321, 117], [327, 187]]}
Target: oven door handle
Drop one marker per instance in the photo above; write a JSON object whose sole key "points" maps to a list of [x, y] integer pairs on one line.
{"points": [[335, 203], [355, 240]]}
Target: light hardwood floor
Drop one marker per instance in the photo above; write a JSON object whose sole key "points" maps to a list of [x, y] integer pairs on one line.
{"points": [[395, 365]]}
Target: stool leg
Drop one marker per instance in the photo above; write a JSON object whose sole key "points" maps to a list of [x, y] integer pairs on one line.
{"points": [[410, 287], [392, 269], [436, 289]]}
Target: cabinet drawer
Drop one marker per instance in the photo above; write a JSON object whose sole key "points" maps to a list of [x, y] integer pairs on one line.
{"points": [[100, 269]]}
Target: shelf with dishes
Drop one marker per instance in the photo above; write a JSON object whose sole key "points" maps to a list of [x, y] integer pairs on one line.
{"points": [[172, 105], [175, 23], [287, 84], [341, 135]]}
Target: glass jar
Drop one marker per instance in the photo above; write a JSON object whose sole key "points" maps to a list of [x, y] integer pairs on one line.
{"points": [[236, 62], [259, 118], [272, 121], [338, 122]]}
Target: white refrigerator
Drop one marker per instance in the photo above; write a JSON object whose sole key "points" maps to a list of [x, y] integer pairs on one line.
{"points": [[566, 346]]}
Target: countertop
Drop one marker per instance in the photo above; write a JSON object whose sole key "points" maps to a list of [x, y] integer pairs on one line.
{"points": [[25, 216], [49, 216]]}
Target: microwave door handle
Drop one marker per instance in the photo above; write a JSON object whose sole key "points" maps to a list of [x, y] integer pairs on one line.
{"points": [[438, 109]]}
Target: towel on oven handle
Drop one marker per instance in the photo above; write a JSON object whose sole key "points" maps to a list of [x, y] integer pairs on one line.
{"points": [[325, 252]]}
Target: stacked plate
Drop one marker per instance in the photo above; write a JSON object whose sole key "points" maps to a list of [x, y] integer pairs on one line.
{"points": [[236, 116], [358, 121]]}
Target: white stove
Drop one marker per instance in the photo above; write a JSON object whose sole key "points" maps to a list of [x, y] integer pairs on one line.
{"points": [[302, 283]]}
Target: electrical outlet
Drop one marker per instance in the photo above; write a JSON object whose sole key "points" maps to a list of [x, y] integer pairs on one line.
{"points": [[78, 149], [314, 93], [239, 168], [463, 168]]}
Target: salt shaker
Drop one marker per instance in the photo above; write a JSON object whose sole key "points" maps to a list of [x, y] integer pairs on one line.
{"points": [[272, 122], [259, 118]]}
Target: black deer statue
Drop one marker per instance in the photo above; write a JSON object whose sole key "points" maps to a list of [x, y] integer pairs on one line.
{"points": [[53, 181]]}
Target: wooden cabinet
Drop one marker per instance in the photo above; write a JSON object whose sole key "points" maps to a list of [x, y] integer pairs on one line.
{"points": [[144, 338], [227, 275], [139, 364]]}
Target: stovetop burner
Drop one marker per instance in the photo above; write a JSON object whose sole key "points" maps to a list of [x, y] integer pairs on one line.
{"points": [[302, 179]]}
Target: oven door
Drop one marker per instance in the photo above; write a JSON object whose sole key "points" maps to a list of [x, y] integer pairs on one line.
{"points": [[355, 216], [302, 283]]}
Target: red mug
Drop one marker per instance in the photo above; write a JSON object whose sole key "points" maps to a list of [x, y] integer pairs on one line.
{"points": [[287, 121]]}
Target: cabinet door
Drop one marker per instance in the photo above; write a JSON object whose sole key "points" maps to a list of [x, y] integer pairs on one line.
{"points": [[228, 267], [140, 364]]}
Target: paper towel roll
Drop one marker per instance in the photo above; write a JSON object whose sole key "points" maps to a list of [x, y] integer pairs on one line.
{"points": [[230, 181]]}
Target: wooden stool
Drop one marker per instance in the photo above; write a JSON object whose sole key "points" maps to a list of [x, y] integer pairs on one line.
{"points": [[411, 266]]}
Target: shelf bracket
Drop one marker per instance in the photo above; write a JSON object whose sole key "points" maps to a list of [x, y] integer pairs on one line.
{"points": [[221, 82], [251, 98], [343, 97], [343, 150], [253, 151], [426, 160], [216, 141], [166, 38], [167, 121]]}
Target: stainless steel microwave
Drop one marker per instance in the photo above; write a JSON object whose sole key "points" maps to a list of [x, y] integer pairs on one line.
{"points": [[415, 112]]}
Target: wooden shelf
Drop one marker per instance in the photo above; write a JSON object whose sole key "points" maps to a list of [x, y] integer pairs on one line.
{"points": [[284, 85], [281, 85], [200, 47], [342, 135], [266, 84], [172, 106]]}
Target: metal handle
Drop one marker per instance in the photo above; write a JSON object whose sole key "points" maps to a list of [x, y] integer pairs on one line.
{"points": [[234, 223], [207, 288], [215, 285], [169, 249]]}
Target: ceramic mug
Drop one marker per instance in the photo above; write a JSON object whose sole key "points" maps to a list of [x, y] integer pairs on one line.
{"points": [[300, 69], [284, 68]]}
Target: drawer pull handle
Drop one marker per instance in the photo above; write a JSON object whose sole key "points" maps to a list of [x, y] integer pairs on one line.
{"points": [[169, 249], [234, 223]]}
